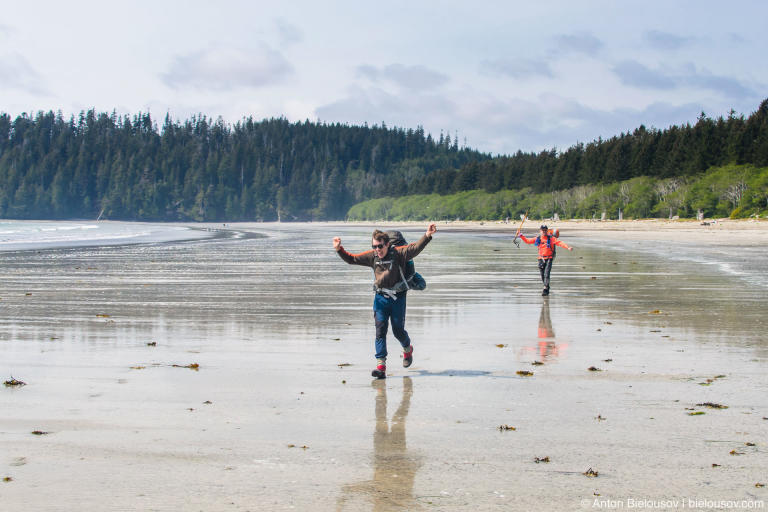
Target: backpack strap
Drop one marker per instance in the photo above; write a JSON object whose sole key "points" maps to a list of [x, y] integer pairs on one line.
{"points": [[387, 292], [399, 287], [403, 279]]}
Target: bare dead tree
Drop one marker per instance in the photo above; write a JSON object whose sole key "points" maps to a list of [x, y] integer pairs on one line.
{"points": [[666, 187], [624, 193], [735, 192]]}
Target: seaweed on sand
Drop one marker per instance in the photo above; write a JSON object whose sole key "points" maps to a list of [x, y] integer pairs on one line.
{"points": [[192, 366], [14, 382], [712, 405]]}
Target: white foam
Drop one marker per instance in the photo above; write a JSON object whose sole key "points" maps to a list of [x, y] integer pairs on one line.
{"points": [[29, 235]]}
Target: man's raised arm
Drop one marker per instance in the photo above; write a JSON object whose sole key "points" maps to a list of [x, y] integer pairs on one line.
{"points": [[410, 251], [364, 258]]}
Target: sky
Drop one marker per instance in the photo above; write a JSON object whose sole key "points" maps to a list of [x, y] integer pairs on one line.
{"points": [[503, 76]]}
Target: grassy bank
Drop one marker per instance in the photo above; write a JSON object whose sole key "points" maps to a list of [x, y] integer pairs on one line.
{"points": [[736, 191]]}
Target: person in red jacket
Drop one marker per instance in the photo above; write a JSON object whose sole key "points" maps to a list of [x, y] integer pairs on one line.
{"points": [[546, 243]]}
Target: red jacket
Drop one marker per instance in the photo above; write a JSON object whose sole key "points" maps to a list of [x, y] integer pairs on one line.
{"points": [[545, 253]]}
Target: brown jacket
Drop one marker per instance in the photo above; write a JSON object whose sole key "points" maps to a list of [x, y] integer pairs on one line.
{"points": [[386, 272]]}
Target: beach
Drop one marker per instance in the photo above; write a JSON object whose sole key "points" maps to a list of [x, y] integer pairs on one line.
{"points": [[233, 372], [642, 229]]}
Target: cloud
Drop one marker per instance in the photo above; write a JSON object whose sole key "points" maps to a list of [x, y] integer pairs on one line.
{"points": [[288, 33], [16, 73], [724, 85], [665, 40], [516, 68], [554, 121], [634, 74], [607, 123], [409, 77], [579, 43], [367, 71], [734, 37], [503, 125], [224, 69], [374, 105]]}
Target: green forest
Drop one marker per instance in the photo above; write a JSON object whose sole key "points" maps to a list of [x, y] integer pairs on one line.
{"points": [[734, 191], [127, 168]]}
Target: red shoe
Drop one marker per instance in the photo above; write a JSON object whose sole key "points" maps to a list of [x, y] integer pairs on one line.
{"points": [[380, 372], [408, 356]]}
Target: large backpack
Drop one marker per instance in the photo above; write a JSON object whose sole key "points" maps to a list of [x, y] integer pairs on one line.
{"points": [[552, 234], [412, 278]]}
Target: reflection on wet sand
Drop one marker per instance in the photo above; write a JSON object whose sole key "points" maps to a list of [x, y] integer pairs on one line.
{"points": [[394, 469], [547, 348], [545, 322]]}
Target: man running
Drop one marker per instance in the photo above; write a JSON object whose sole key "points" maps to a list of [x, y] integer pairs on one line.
{"points": [[388, 265], [546, 243]]}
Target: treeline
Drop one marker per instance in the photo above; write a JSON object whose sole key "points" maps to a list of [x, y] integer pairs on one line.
{"points": [[734, 190], [122, 167], [679, 151]]}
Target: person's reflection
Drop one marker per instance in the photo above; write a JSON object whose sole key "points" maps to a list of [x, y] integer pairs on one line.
{"points": [[547, 347], [394, 469], [545, 322]]}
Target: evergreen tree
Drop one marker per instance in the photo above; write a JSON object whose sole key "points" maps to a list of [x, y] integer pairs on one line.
{"points": [[205, 169]]}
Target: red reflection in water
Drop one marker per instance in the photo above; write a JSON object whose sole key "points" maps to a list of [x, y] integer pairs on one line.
{"points": [[546, 348]]}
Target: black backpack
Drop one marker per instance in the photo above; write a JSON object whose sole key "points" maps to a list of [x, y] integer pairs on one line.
{"points": [[412, 278]]}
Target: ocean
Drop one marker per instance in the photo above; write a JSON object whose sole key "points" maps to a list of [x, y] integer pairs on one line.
{"points": [[18, 235]]}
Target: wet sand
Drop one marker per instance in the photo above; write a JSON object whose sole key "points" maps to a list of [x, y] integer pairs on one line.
{"points": [[282, 332]]}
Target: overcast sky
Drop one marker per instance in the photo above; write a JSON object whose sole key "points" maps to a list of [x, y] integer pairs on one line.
{"points": [[504, 75]]}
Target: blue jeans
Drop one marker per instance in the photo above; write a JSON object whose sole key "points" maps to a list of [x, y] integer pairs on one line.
{"points": [[386, 310]]}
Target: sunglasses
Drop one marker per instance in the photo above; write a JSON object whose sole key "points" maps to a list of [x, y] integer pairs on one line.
{"points": [[378, 246]]}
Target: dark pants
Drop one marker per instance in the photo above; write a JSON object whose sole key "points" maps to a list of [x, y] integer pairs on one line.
{"points": [[545, 267], [386, 310]]}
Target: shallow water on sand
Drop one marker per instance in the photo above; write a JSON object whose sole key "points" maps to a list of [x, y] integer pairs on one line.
{"points": [[273, 323], [24, 235]]}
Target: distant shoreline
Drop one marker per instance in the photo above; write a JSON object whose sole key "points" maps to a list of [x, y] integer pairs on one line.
{"points": [[747, 232], [752, 232]]}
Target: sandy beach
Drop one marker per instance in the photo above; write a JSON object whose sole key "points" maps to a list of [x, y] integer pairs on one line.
{"points": [[752, 231], [234, 373]]}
